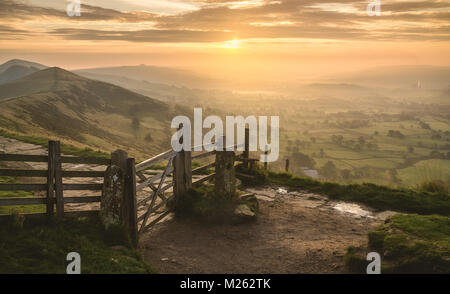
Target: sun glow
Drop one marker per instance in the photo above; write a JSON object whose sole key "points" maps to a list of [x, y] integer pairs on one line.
{"points": [[233, 44]]}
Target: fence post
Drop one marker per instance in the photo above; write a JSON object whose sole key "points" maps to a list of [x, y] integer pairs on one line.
{"points": [[58, 182], [119, 158], [179, 175], [127, 213], [50, 178], [112, 199], [129, 217], [246, 147], [187, 170], [265, 156], [287, 165]]}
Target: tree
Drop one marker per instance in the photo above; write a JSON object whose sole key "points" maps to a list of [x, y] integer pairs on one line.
{"points": [[321, 153], [395, 134], [135, 123], [346, 174], [148, 137], [301, 159], [329, 170], [410, 149], [392, 176], [361, 140]]}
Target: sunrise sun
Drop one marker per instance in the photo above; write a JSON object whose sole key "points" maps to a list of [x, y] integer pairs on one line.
{"points": [[232, 44]]}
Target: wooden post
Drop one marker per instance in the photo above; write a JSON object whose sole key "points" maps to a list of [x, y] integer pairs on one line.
{"points": [[182, 173], [246, 147], [265, 162], [51, 178], [287, 165], [129, 204], [187, 170], [58, 182], [179, 175]]}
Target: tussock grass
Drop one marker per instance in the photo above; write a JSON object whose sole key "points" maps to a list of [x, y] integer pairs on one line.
{"points": [[408, 244], [42, 247]]}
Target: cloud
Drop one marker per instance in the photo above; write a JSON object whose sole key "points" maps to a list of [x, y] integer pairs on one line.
{"points": [[166, 36], [19, 11], [218, 20]]}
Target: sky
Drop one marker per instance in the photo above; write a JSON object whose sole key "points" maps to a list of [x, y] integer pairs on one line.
{"points": [[228, 37]]}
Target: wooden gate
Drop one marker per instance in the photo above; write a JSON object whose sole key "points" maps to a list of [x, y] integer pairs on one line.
{"points": [[154, 210], [52, 180], [154, 190]]}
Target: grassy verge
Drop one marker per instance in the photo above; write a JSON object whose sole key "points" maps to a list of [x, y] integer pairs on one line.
{"points": [[42, 247], [65, 149], [407, 244], [375, 196]]}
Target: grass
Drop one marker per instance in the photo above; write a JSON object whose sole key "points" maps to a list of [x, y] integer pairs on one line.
{"points": [[407, 244], [425, 170], [42, 248], [65, 149], [375, 196]]}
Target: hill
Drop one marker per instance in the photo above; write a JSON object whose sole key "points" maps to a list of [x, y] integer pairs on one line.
{"points": [[16, 69], [85, 113], [154, 74], [405, 77]]}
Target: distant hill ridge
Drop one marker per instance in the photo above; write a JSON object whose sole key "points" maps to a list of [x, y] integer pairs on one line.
{"points": [[54, 102], [16, 69]]}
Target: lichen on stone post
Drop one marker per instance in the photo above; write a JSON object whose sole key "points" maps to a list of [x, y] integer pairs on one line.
{"points": [[225, 183], [112, 193]]}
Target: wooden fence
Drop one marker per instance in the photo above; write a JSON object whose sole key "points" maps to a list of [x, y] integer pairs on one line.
{"points": [[54, 186], [137, 179]]}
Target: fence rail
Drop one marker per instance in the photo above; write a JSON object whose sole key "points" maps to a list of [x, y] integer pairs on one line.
{"points": [[43, 173]]}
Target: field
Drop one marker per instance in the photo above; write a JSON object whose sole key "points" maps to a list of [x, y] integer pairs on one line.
{"points": [[352, 140]]}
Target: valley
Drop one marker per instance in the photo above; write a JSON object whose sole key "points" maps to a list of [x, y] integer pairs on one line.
{"points": [[374, 131]]}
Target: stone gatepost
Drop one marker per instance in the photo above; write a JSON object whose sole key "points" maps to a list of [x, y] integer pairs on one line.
{"points": [[118, 202], [112, 194], [225, 183], [111, 208]]}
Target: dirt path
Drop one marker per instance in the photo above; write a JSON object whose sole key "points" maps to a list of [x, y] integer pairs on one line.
{"points": [[296, 232]]}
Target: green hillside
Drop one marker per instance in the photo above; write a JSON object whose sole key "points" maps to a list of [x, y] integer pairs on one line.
{"points": [[55, 103]]}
